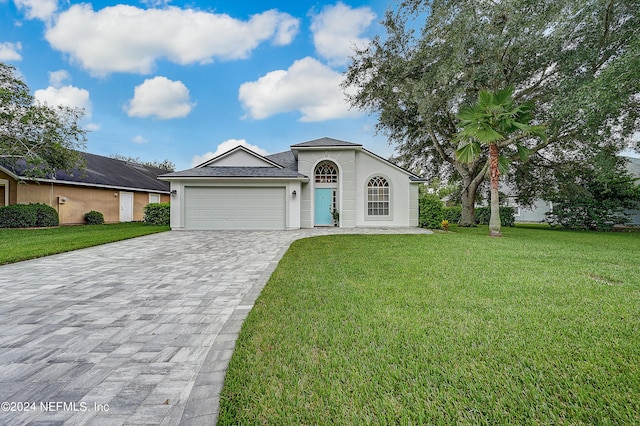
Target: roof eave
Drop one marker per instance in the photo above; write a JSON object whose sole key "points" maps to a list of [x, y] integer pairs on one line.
{"points": [[303, 179], [92, 185]]}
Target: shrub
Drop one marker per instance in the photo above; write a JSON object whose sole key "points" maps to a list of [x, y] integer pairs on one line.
{"points": [[157, 214], [507, 215], [28, 216], [46, 216], [594, 194], [452, 214], [431, 215], [587, 215], [93, 218]]}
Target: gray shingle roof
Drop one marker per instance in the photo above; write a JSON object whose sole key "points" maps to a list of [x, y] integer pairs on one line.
{"points": [[105, 171], [324, 142], [285, 159], [235, 172]]}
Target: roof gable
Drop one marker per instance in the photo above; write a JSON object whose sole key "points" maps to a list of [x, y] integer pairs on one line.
{"points": [[239, 157]]}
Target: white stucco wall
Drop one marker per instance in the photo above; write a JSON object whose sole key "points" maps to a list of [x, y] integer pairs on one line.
{"points": [[345, 161], [356, 167], [400, 192]]}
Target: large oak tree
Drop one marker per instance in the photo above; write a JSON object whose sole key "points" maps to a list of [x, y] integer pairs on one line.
{"points": [[578, 61]]}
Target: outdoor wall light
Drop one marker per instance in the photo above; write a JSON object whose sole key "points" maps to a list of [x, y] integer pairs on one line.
{"points": [[115, 194], [294, 193], [174, 192]]}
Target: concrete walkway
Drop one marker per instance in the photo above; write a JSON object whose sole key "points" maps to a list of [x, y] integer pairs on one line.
{"points": [[135, 332]]}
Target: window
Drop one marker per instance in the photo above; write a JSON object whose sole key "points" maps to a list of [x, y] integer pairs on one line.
{"points": [[378, 196], [326, 173], [154, 198]]}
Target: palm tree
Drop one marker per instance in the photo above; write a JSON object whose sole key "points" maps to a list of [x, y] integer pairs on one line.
{"points": [[494, 121]]}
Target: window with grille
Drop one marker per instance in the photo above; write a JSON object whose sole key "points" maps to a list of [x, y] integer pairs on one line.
{"points": [[378, 196], [326, 173]]}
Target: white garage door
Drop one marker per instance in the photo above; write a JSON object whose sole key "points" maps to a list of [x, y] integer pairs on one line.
{"points": [[235, 208]]}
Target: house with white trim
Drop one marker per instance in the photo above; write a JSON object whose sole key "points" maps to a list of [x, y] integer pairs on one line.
{"points": [[323, 182]]}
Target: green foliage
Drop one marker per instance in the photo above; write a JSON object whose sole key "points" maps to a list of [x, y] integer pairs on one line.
{"points": [[495, 121], [586, 215], [93, 218], [28, 216], [577, 60], [430, 211], [47, 138], [47, 216], [594, 195], [157, 214], [163, 165], [507, 215], [452, 213]]}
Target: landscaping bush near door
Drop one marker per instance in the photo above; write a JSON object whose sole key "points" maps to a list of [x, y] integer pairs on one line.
{"points": [[28, 216], [157, 214]]}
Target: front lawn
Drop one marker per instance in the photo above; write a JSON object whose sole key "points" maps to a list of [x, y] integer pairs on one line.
{"points": [[538, 327], [23, 244]]}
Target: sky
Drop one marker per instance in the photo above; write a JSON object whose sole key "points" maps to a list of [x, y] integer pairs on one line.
{"points": [[184, 81]]}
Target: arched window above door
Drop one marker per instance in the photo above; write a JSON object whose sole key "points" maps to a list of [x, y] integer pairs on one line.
{"points": [[326, 173]]}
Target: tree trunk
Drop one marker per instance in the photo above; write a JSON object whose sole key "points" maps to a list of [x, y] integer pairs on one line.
{"points": [[468, 201], [494, 172]]}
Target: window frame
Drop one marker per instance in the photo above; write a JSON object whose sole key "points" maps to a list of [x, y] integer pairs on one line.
{"points": [[378, 205], [321, 177]]}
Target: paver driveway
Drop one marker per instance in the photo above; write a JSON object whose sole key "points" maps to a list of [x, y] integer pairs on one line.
{"points": [[134, 332]]}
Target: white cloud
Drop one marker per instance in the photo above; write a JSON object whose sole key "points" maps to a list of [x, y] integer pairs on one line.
{"points": [[92, 127], [57, 94], [37, 9], [307, 86], [161, 98], [337, 29], [69, 96], [224, 147], [10, 51], [125, 38], [140, 139], [57, 78]]}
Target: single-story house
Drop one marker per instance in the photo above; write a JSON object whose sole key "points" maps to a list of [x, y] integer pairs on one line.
{"points": [[117, 189], [323, 182]]}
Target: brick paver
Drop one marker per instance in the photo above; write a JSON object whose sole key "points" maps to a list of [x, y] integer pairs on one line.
{"points": [[135, 332]]}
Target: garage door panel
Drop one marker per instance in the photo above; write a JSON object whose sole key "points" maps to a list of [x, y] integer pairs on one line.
{"points": [[235, 208]]}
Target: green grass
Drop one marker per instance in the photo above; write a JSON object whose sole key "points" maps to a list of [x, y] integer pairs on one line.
{"points": [[538, 327], [22, 244]]}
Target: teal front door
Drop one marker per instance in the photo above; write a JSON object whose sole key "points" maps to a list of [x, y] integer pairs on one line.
{"points": [[324, 202]]}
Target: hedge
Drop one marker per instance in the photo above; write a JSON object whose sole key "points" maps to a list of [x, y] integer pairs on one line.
{"points": [[452, 214], [28, 216], [157, 214], [507, 215], [430, 215]]}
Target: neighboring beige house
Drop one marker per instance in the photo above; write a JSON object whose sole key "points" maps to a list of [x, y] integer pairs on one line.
{"points": [[299, 188], [117, 189]]}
